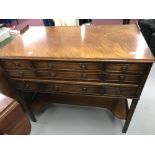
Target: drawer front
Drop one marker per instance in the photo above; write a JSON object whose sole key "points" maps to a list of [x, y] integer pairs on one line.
{"points": [[44, 65], [120, 91], [108, 67], [72, 89], [9, 64], [26, 86], [82, 89], [89, 90], [52, 65], [92, 76], [122, 78], [123, 67], [21, 73], [69, 75]]}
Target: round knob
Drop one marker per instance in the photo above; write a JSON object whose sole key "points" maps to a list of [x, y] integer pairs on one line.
{"points": [[84, 76], [21, 73], [26, 86], [17, 64], [84, 89], [122, 77], [124, 68], [53, 74], [119, 92], [50, 65], [83, 66], [56, 88]]}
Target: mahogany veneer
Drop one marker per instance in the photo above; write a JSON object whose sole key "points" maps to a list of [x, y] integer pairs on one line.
{"points": [[110, 62]]}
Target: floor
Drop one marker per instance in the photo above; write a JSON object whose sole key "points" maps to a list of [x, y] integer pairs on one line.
{"points": [[69, 120]]}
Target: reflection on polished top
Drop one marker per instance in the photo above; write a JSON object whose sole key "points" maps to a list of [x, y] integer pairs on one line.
{"points": [[114, 42], [4, 102]]}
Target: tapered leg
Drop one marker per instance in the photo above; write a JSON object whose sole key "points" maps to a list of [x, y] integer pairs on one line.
{"points": [[28, 110], [30, 113], [130, 114], [25, 105]]}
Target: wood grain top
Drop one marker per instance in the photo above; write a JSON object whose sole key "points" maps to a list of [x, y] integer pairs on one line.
{"points": [[89, 43]]}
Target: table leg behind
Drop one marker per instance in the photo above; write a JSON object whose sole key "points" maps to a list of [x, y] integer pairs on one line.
{"points": [[25, 105]]}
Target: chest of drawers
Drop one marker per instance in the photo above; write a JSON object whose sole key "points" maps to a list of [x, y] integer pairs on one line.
{"points": [[89, 67]]}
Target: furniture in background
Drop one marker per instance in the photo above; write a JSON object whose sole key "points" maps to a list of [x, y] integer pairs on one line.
{"points": [[66, 22], [2, 25], [69, 22], [126, 21], [13, 121], [48, 22], [113, 21], [147, 27], [80, 63], [84, 21], [9, 21], [5, 85]]}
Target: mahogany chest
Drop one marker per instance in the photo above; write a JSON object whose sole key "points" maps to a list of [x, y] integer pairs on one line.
{"points": [[102, 61]]}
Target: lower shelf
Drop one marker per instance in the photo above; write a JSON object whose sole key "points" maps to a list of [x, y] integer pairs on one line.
{"points": [[118, 106]]}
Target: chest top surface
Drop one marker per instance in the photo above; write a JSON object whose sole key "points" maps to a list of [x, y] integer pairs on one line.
{"points": [[100, 43]]}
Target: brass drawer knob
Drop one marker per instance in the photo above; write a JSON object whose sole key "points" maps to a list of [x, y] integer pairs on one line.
{"points": [[124, 68], [122, 77], [17, 64], [83, 66], [56, 88], [84, 76], [84, 90], [21, 73], [53, 74], [26, 86], [119, 92], [50, 65]]}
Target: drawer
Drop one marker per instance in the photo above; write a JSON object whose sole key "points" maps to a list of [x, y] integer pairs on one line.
{"points": [[21, 73], [9, 64], [89, 76], [89, 90], [125, 67], [83, 89], [70, 88], [44, 65], [120, 91], [26, 86], [122, 78], [69, 75]]}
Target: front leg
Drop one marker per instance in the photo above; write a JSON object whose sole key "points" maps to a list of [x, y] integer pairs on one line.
{"points": [[130, 114]]}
